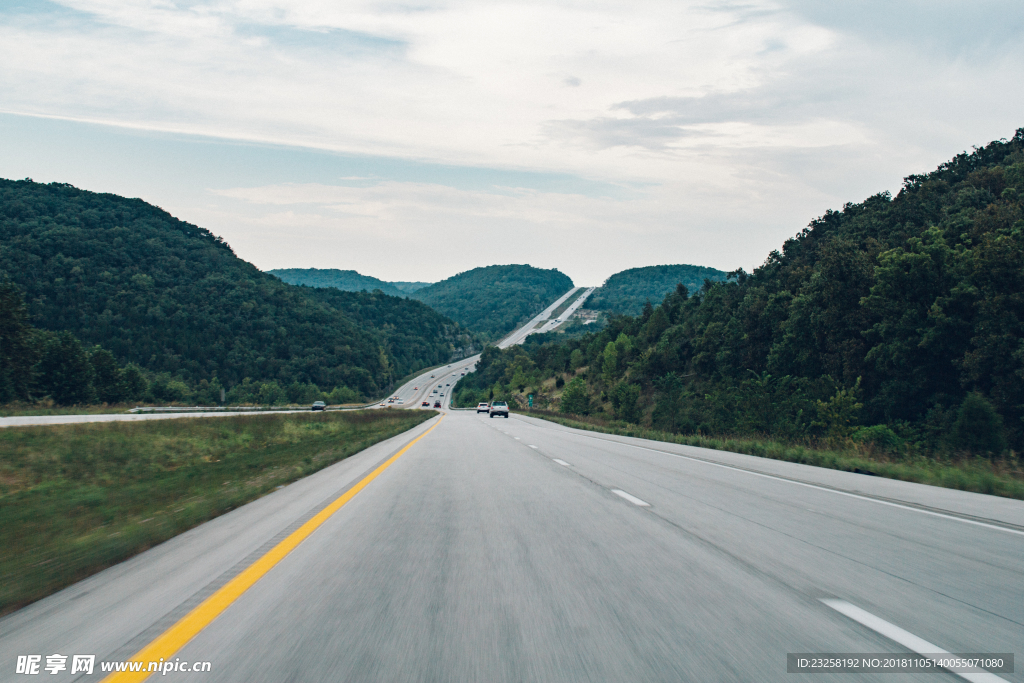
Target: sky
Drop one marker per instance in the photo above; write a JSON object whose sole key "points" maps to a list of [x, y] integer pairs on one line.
{"points": [[416, 140]]}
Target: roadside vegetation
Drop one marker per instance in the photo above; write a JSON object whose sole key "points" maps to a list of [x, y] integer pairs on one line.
{"points": [[75, 499], [44, 372], [892, 330], [1000, 477]]}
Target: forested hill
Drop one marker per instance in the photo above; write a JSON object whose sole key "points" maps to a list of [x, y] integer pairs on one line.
{"points": [[494, 299], [628, 291], [899, 320], [345, 280], [174, 298]]}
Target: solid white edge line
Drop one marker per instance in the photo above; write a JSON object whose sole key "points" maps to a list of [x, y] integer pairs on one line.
{"points": [[811, 486], [562, 462], [904, 638], [632, 499]]}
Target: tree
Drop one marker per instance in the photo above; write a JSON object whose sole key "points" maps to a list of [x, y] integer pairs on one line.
{"points": [[108, 379], [575, 399], [624, 400], [135, 385], [610, 364], [17, 351], [64, 371], [837, 417]]}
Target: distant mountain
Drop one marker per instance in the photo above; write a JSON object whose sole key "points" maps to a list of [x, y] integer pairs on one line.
{"points": [[410, 287], [171, 297], [628, 291], [345, 280], [495, 299]]}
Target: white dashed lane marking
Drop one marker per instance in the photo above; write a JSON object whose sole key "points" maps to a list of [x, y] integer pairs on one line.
{"points": [[632, 499], [906, 639]]}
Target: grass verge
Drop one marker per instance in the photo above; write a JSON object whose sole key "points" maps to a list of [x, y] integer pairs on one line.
{"points": [[968, 474], [75, 499]]}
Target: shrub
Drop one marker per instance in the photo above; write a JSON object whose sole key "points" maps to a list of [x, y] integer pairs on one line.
{"points": [[978, 427], [878, 436]]}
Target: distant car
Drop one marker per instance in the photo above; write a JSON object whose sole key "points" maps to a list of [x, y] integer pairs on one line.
{"points": [[437, 404], [415, 388], [319, 405], [499, 408], [425, 404], [482, 408]]}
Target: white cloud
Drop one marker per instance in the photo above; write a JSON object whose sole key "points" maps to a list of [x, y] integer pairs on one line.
{"points": [[740, 121], [476, 82]]}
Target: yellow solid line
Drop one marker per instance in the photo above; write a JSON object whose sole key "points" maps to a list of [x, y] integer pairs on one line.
{"points": [[177, 636]]}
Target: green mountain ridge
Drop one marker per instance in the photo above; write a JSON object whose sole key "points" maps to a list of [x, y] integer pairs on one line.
{"points": [[173, 298], [345, 280], [626, 292], [493, 300]]}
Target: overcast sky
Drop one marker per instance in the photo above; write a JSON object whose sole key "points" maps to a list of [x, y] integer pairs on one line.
{"points": [[412, 141]]}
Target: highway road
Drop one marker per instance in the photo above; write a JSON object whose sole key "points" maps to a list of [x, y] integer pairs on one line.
{"points": [[482, 549], [435, 385], [529, 328], [520, 550], [554, 323]]}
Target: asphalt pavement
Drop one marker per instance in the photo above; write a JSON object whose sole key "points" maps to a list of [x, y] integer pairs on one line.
{"points": [[518, 550]]}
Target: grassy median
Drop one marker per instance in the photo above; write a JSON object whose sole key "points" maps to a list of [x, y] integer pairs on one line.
{"points": [[1003, 477], [75, 499]]}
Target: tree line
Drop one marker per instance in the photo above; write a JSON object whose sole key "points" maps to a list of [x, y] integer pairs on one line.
{"points": [[39, 365], [173, 300]]}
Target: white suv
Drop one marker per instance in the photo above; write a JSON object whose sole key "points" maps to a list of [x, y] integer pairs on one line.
{"points": [[499, 408], [482, 408]]}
